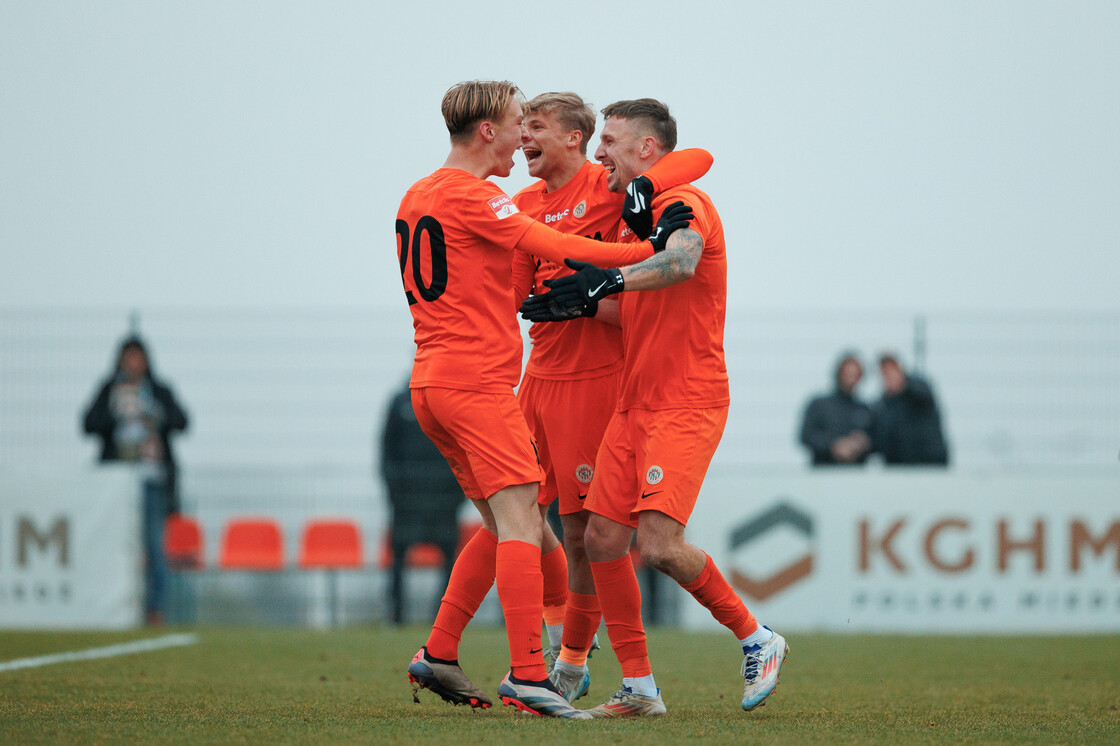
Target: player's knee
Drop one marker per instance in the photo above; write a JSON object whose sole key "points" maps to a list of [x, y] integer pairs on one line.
{"points": [[661, 550], [660, 558], [574, 542], [602, 543]]}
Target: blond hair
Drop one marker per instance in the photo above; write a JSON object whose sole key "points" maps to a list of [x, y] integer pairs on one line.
{"points": [[468, 103], [650, 114], [571, 111]]}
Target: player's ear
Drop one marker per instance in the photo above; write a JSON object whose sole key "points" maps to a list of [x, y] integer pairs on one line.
{"points": [[649, 147], [575, 137], [486, 129]]}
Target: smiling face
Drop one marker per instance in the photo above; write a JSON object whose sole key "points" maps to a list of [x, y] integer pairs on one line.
{"points": [[507, 138], [548, 145], [621, 150]]}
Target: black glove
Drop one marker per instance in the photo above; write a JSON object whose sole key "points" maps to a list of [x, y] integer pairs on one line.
{"points": [[545, 308], [637, 210], [676, 216], [588, 284]]}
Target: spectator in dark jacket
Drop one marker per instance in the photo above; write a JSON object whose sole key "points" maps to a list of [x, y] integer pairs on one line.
{"points": [[134, 415], [424, 495], [836, 427], [907, 423]]}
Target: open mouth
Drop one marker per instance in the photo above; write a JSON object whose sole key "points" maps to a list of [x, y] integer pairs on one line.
{"points": [[531, 154]]}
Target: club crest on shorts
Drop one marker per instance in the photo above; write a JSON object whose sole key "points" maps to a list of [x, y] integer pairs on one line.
{"points": [[580, 210], [654, 475], [584, 472]]}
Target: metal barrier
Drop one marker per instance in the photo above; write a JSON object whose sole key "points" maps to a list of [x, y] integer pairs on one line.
{"points": [[309, 387]]}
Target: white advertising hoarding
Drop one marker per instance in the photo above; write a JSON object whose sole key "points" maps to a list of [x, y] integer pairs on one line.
{"points": [[915, 551], [70, 553]]}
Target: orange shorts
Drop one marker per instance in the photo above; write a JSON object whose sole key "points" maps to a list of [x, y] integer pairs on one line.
{"points": [[654, 460], [568, 418], [483, 436]]}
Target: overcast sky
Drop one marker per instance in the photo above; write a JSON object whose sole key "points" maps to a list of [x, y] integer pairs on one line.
{"points": [[925, 156]]}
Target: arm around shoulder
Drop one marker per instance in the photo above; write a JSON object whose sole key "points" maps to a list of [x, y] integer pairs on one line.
{"points": [[542, 241]]}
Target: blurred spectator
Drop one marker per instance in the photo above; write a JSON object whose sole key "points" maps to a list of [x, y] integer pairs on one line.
{"points": [[907, 424], [423, 494], [836, 427], [134, 414]]}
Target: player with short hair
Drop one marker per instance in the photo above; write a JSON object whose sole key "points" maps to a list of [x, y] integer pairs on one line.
{"points": [[570, 386], [456, 232], [670, 417]]}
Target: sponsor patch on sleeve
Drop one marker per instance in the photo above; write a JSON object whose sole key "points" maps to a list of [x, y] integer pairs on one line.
{"points": [[503, 206]]}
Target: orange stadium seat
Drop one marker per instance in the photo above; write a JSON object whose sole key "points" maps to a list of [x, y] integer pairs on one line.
{"points": [[425, 554], [182, 542], [252, 544], [330, 544]]}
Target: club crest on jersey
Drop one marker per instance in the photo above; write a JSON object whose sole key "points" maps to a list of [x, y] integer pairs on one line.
{"points": [[654, 475], [503, 207], [584, 472], [580, 210]]}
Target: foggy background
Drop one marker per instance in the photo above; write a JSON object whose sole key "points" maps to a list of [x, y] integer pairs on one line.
{"points": [[939, 179], [949, 155]]}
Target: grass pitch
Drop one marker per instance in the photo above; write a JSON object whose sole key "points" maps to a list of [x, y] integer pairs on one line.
{"points": [[348, 686]]}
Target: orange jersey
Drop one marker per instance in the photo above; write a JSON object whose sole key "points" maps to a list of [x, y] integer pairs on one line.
{"points": [[455, 234], [455, 237], [673, 337], [580, 348]]}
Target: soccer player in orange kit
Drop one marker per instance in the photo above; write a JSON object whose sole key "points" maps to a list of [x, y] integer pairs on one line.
{"points": [[671, 413], [456, 232], [570, 386]]}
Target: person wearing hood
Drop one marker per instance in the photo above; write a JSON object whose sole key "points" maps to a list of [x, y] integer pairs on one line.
{"points": [[836, 427], [907, 420], [134, 414]]}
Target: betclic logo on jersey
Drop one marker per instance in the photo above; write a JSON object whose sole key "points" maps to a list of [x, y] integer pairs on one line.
{"points": [[503, 206]]}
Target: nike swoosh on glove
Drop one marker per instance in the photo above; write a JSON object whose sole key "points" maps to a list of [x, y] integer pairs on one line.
{"points": [[588, 284], [637, 210]]}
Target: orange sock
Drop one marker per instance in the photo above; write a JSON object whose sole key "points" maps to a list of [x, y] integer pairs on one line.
{"points": [[621, 601], [716, 595], [520, 590], [554, 568], [581, 622], [471, 579]]}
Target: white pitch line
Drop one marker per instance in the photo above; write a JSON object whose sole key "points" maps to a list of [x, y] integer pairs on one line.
{"points": [[109, 651]]}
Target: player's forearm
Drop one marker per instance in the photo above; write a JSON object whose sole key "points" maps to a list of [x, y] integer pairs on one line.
{"points": [[676, 264], [555, 246]]}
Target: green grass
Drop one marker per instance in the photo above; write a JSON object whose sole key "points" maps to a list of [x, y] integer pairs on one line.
{"points": [[301, 686]]}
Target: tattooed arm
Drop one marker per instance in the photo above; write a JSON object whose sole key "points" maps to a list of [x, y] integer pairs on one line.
{"points": [[590, 284], [676, 263]]}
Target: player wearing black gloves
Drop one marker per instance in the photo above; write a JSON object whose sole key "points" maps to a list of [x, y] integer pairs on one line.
{"points": [[578, 295], [637, 210]]}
